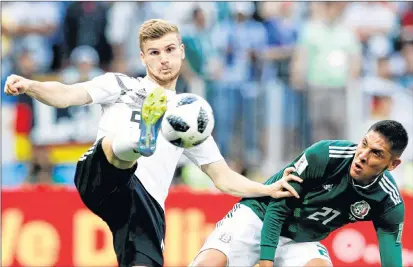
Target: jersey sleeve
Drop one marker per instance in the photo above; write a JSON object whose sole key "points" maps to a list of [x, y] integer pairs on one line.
{"points": [[205, 153], [275, 215], [389, 228], [310, 166], [104, 89]]}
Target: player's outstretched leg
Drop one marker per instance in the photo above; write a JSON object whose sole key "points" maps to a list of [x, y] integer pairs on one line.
{"points": [[210, 258], [152, 112]]}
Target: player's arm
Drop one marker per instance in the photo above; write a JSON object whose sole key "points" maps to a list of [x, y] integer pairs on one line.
{"points": [[389, 229], [101, 90], [233, 183], [211, 162], [276, 213], [51, 93], [310, 166]]}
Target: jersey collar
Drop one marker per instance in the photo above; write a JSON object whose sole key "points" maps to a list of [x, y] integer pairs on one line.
{"points": [[368, 185], [154, 84]]}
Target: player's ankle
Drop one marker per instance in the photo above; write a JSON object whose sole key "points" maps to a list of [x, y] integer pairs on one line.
{"points": [[124, 147]]}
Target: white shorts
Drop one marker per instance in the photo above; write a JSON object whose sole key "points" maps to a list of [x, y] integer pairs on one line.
{"points": [[238, 236]]}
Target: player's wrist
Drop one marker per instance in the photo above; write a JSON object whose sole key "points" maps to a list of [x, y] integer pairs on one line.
{"points": [[265, 189], [266, 263], [31, 84]]}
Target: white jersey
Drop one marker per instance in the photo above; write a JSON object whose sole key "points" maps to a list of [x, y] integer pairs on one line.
{"points": [[120, 97]]}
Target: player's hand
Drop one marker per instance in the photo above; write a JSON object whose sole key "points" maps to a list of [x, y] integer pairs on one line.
{"points": [[16, 85], [264, 263], [282, 188]]}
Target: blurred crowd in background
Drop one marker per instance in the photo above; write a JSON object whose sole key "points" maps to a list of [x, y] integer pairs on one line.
{"points": [[278, 75]]}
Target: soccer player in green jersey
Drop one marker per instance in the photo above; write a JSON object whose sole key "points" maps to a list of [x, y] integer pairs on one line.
{"points": [[343, 183]]}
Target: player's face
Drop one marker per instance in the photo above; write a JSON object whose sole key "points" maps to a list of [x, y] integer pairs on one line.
{"points": [[163, 58], [373, 156]]}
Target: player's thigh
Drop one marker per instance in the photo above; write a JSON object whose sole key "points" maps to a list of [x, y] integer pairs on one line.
{"points": [[150, 219], [142, 260], [290, 253], [100, 184], [234, 242]]}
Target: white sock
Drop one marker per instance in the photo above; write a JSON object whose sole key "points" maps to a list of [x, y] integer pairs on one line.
{"points": [[125, 144]]}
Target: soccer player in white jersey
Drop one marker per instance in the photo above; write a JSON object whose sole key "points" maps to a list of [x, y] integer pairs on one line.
{"points": [[125, 176]]}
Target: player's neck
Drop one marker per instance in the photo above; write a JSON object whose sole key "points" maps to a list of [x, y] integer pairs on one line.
{"points": [[367, 182], [169, 86]]}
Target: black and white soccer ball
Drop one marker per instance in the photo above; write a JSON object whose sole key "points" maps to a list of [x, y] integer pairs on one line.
{"points": [[188, 121]]}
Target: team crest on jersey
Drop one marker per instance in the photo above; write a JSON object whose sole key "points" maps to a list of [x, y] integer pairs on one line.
{"points": [[360, 209]]}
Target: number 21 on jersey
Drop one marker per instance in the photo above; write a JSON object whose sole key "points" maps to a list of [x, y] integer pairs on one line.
{"points": [[327, 215]]}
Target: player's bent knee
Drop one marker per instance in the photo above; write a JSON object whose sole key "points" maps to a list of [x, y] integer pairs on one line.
{"points": [[107, 146], [210, 258], [318, 263]]}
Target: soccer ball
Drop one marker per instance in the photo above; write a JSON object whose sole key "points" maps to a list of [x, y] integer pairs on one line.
{"points": [[188, 121]]}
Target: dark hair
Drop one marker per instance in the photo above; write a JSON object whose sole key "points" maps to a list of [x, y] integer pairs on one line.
{"points": [[395, 134]]}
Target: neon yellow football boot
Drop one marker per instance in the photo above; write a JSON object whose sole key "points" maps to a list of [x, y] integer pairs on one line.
{"points": [[153, 110]]}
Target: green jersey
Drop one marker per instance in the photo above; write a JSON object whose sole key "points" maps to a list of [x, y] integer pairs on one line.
{"points": [[329, 199]]}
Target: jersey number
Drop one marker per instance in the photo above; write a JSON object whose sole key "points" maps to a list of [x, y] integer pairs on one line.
{"points": [[328, 215]]}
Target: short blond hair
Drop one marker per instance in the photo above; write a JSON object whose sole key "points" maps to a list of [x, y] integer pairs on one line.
{"points": [[154, 29]]}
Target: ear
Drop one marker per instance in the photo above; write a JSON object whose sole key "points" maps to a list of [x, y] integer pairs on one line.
{"points": [[143, 59], [182, 47], [394, 164]]}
